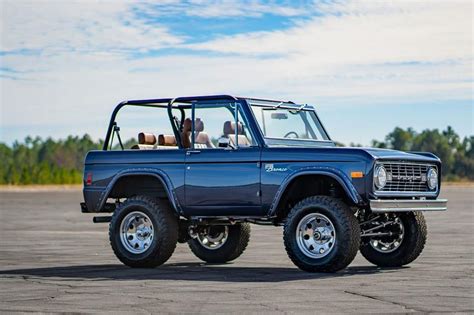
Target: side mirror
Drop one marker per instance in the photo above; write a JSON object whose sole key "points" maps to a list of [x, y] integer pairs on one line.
{"points": [[223, 143]]}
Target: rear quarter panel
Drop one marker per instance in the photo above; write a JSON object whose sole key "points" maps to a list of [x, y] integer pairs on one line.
{"points": [[104, 166]]}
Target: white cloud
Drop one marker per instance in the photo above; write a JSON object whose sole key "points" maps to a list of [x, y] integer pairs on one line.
{"points": [[85, 26], [426, 32]]}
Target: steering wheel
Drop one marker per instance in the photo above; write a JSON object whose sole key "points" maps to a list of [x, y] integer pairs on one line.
{"points": [[291, 133]]}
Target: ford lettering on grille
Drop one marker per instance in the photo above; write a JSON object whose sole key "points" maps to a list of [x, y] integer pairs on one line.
{"points": [[409, 178]]}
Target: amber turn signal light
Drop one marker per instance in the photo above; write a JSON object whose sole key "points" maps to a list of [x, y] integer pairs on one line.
{"points": [[357, 174]]}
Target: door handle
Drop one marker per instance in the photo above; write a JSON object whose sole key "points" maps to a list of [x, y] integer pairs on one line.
{"points": [[189, 152]]}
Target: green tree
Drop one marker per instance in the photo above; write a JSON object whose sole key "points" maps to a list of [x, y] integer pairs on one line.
{"points": [[400, 139], [44, 174], [435, 142]]}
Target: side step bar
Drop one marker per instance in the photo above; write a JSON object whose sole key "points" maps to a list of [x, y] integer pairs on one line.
{"points": [[382, 205], [106, 219]]}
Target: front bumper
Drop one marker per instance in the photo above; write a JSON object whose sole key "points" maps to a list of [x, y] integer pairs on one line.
{"points": [[391, 205]]}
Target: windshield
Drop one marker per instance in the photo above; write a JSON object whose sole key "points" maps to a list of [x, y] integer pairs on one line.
{"points": [[287, 124]]}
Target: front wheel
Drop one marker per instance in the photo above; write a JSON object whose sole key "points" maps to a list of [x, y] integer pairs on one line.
{"points": [[398, 242], [321, 234], [220, 243]]}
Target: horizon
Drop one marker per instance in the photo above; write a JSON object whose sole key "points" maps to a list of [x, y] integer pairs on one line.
{"points": [[64, 66]]}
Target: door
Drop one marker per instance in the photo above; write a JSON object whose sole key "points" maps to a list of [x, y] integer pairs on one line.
{"points": [[222, 173]]}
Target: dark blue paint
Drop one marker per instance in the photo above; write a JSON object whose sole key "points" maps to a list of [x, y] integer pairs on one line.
{"points": [[224, 180], [242, 182]]}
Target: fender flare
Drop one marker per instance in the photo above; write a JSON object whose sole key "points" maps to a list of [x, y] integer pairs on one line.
{"points": [[334, 173], [158, 174]]}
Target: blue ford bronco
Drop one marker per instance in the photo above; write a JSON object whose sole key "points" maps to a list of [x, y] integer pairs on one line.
{"points": [[203, 168]]}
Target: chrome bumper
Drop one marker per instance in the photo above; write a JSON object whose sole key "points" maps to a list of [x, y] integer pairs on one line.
{"points": [[381, 205]]}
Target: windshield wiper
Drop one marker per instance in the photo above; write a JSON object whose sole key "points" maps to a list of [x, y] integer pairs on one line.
{"points": [[277, 105], [301, 108]]}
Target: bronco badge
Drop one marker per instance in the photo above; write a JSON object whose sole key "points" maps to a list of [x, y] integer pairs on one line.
{"points": [[272, 168]]}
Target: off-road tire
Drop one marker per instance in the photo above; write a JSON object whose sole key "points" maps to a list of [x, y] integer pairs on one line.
{"points": [[410, 248], [236, 243], [165, 232], [347, 234]]}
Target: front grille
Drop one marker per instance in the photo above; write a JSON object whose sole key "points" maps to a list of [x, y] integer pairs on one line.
{"points": [[405, 177]]}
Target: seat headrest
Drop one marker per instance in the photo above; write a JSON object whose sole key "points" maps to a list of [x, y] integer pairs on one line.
{"points": [[167, 140], [229, 128], [146, 138], [187, 125], [198, 125]]}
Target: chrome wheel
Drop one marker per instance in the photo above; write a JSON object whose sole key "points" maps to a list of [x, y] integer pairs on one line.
{"points": [[390, 243], [315, 235], [213, 237], [136, 232]]}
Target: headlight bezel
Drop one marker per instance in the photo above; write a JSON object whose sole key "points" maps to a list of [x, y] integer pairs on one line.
{"points": [[379, 180], [429, 177]]}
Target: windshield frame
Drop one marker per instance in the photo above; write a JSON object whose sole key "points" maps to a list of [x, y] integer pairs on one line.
{"points": [[276, 141]]}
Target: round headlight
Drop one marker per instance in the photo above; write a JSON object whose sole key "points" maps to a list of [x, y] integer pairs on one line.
{"points": [[432, 178], [380, 177]]}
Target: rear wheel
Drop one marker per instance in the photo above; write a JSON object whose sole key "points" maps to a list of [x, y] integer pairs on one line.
{"points": [[220, 243], [143, 232], [398, 240], [321, 234]]}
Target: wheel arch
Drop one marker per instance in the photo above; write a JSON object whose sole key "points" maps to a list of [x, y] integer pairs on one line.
{"points": [[130, 182], [325, 177]]}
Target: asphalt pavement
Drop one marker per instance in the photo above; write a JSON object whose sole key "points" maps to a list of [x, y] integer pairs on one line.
{"points": [[54, 259]]}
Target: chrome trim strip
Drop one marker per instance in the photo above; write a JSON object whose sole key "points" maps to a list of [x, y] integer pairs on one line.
{"points": [[406, 193], [405, 162], [394, 205]]}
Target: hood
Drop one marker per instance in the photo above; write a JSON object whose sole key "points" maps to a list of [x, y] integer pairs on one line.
{"points": [[386, 154], [344, 154]]}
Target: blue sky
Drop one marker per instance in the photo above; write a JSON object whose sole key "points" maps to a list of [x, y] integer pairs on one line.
{"points": [[366, 66]]}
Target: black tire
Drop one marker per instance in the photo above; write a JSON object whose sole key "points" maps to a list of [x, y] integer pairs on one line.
{"points": [[165, 232], [347, 231], [410, 248], [236, 243]]}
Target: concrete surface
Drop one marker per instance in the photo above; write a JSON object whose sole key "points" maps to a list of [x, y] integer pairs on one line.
{"points": [[54, 259]]}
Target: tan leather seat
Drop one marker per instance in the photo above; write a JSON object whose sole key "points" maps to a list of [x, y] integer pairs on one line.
{"points": [[201, 138], [186, 133], [167, 140], [148, 141], [146, 138], [229, 132]]}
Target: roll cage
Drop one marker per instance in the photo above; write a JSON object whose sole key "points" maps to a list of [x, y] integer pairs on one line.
{"points": [[182, 103]]}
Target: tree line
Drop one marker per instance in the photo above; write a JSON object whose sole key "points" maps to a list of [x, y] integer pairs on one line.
{"points": [[48, 161], [38, 161], [456, 154]]}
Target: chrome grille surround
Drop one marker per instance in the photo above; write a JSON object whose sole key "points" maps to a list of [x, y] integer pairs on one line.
{"points": [[406, 179]]}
